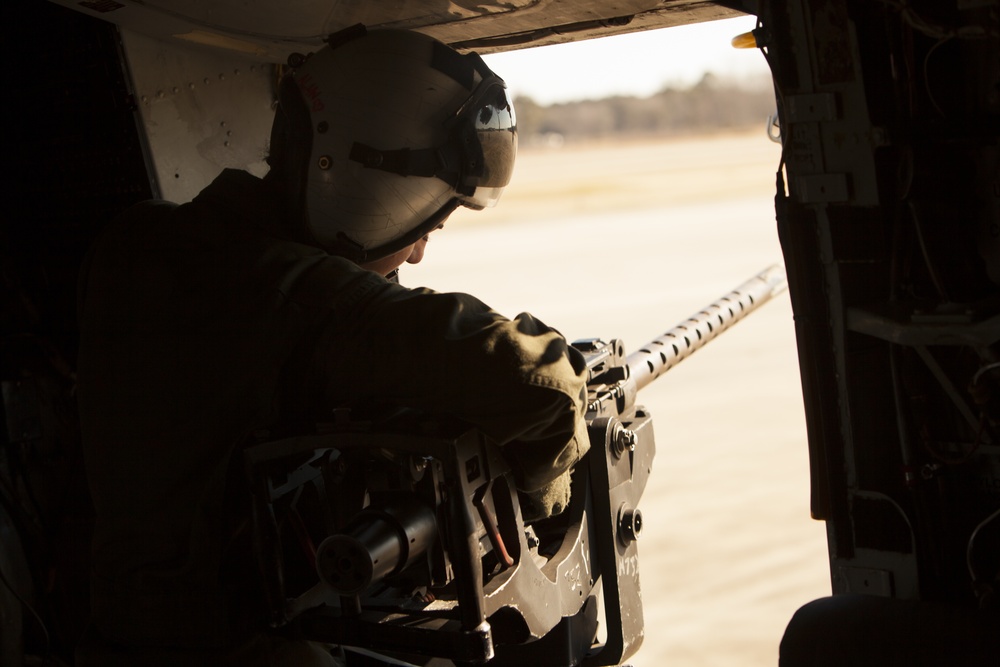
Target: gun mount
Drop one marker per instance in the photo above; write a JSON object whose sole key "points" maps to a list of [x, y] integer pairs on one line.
{"points": [[424, 554]]}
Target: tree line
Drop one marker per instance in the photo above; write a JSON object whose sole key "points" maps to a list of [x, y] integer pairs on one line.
{"points": [[711, 105]]}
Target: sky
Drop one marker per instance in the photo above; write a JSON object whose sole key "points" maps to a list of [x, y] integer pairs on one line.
{"points": [[637, 64]]}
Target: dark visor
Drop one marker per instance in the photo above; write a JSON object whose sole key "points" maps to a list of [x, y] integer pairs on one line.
{"points": [[477, 159], [487, 129]]}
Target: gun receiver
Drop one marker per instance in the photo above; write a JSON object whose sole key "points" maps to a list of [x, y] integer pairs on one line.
{"points": [[423, 551]]}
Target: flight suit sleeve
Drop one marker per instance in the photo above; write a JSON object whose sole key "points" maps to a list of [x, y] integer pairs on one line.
{"points": [[516, 379]]}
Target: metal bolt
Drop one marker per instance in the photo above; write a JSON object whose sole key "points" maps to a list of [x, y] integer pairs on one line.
{"points": [[531, 539], [628, 439], [622, 440]]}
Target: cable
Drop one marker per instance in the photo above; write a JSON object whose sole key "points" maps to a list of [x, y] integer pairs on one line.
{"points": [[985, 369], [937, 30], [932, 271], [972, 544], [927, 81], [762, 35]]}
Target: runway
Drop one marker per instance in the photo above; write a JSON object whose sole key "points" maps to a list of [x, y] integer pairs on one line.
{"points": [[624, 240]]}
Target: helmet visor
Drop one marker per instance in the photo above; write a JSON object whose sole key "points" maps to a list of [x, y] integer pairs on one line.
{"points": [[489, 126]]}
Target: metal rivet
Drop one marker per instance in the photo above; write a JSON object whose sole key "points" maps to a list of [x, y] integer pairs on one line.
{"points": [[324, 162]]}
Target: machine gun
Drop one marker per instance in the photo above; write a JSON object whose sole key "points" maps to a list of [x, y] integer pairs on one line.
{"points": [[423, 555]]}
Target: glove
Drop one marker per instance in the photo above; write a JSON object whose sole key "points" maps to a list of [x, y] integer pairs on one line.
{"points": [[548, 501]]}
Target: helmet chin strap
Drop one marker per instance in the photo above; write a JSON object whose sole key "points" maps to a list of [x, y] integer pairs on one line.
{"points": [[345, 247]]}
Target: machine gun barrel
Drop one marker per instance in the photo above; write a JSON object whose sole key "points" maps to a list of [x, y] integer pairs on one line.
{"points": [[669, 349]]}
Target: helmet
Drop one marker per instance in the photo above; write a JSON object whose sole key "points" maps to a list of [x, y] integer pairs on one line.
{"points": [[403, 130]]}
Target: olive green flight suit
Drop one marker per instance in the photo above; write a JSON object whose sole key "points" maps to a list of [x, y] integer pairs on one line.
{"points": [[190, 318]]}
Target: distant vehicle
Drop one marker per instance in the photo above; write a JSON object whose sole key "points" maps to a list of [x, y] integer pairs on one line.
{"points": [[888, 210]]}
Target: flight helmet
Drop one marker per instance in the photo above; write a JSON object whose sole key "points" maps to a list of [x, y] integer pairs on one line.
{"points": [[402, 130]]}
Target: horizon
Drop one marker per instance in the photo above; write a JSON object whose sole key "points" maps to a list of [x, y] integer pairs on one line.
{"points": [[638, 64]]}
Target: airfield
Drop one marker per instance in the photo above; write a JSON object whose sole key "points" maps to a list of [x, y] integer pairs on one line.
{"points": [[625, 239]]}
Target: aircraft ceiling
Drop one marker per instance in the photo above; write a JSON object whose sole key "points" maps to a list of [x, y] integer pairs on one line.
{"points": [[268, 30]]}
